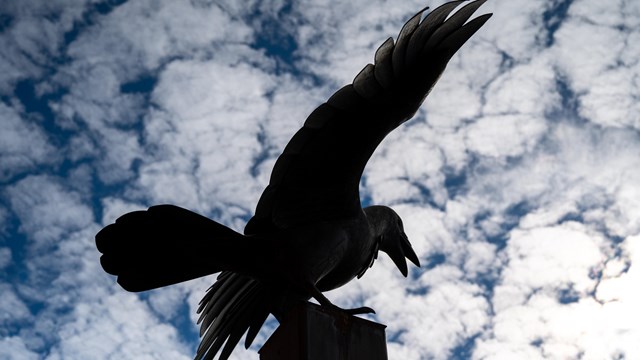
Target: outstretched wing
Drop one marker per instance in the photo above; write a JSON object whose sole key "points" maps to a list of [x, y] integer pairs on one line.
{"points": [[317, 176]]}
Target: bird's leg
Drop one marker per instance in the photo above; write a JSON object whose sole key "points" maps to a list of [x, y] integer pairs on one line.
{"points": [[317, 294]]}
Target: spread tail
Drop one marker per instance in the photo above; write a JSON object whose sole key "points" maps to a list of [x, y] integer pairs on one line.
{"points": [[165, 245]]}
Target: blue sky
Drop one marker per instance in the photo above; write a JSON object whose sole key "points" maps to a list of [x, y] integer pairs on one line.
{"points": [[517, 180]]}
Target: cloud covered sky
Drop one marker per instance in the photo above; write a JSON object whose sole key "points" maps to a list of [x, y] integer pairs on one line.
{"points": [[518, 180]]}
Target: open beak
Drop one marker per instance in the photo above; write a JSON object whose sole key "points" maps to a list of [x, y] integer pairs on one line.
{"points": [[400, 250]]}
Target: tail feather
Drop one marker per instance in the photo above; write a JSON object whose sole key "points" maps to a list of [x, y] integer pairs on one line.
{"points": [[166, 245]]}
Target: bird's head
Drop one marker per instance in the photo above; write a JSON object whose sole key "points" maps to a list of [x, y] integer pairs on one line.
{"points": [[391, 237]]}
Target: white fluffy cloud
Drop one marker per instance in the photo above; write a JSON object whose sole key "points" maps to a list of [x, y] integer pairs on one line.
{"points": [[23, 144]]}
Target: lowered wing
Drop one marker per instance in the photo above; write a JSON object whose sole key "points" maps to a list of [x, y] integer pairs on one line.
{"points": [[317, 176]]}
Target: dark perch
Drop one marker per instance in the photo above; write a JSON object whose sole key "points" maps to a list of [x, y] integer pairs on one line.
{"points": [[311, 332], [309, 233]]}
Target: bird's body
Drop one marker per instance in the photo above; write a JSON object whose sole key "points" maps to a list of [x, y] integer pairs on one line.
{"points": [[309, 233]]}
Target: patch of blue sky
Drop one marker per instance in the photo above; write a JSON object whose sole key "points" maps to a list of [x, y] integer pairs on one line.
{"points": [[553, 18], [37, 108], [5, 21], [464, 350], [275, 37]]}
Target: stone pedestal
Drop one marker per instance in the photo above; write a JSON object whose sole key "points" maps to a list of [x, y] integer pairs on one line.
{"points": [[311, 332]]}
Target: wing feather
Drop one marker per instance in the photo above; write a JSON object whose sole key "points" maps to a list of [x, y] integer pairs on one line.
{"points": [[317, 176], [403, 41], [365, 83], [428, 26], [235, 305], [454, 23], [383, 69]]}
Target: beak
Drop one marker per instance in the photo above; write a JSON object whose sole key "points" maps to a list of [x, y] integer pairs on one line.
{"points": [[408, 251], [398, 251]]}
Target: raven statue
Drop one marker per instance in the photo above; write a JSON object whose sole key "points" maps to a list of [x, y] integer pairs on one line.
{"points": [[309, 233]]}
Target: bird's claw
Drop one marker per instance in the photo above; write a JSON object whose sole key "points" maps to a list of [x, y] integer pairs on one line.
{"points": [[355, 311], [323, 301], [360, 310]]}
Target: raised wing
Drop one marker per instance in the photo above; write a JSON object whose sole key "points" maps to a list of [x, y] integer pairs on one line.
{"points": [[317, 176]]}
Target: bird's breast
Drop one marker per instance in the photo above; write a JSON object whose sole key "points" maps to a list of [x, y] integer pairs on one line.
{"points": [[327, 253], [349, 260]]}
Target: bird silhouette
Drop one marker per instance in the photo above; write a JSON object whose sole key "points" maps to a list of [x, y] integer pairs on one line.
{"points": [[309, 233]]}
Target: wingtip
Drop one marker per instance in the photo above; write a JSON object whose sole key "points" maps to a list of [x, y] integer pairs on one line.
{"points": [[454, 41]]}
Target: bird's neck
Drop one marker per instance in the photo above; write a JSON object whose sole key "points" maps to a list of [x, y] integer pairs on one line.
{"points": [[379, 219]]}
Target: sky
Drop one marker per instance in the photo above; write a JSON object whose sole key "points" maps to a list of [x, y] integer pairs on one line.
{"points": [[518, 180]]}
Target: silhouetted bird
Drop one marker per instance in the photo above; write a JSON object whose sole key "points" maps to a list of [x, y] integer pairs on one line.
{"points": [[309, 233]]}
